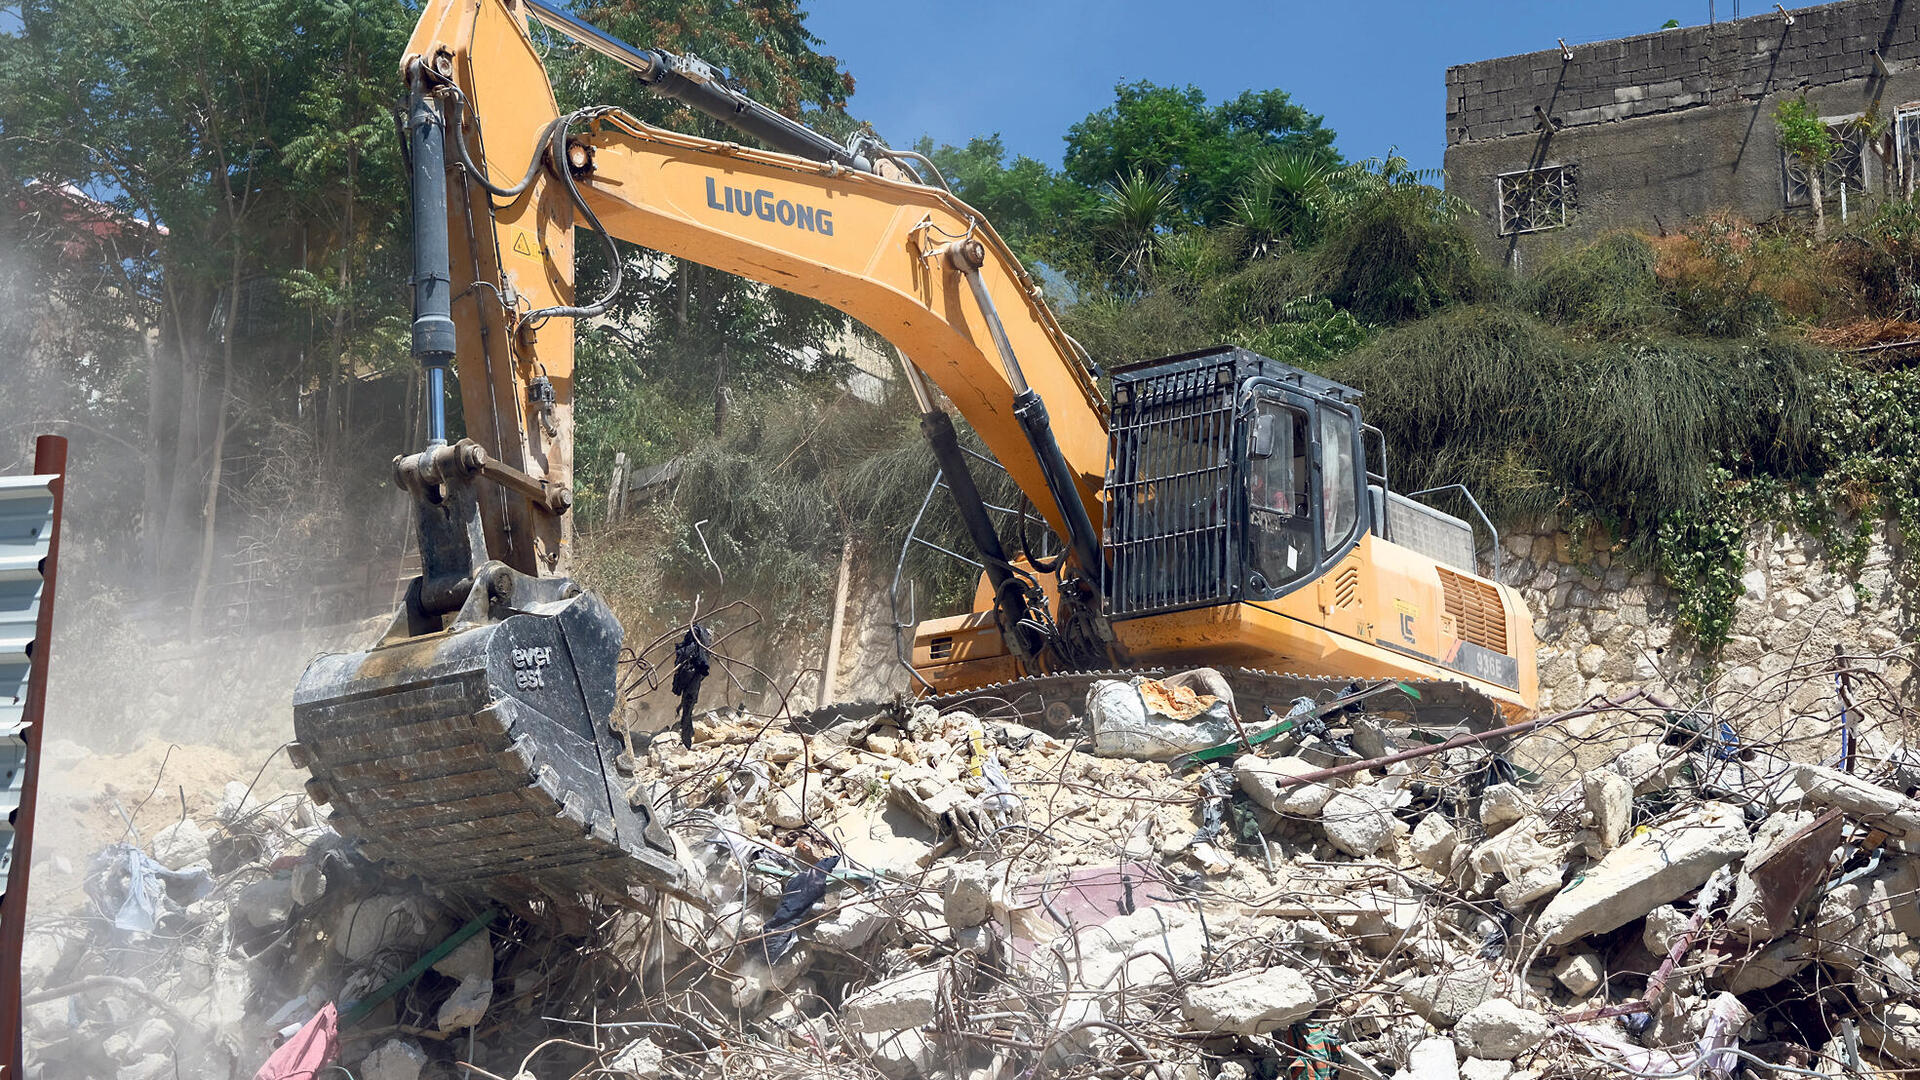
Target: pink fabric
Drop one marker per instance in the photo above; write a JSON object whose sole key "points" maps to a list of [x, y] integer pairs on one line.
{"points": [[312, 1048]]}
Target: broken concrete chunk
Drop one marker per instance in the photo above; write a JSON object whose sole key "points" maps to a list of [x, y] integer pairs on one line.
{"points": [[906, 1001], [1359, 821], [363, 928], [236, 801], [1664, 924], [1648, 767], [640, 1060], [1503, 804], [1661, 864], [1523, 846], [1250, 1004], [1485, 1069], [1500, 1030], [1441, 999], [1147, 720], [471, 959], [395, 1059], [1890, 810], [1433, 1059], [852, 925], [791, 807], [1262, 778], [1894, 1031], [1145, 944], [183, 843], [1433, 841], [151, 1067], [466, 1007], [1580, 972], [265, 904], [1609, 799], [308, 882], [1537, 882], [967, 897], [1776, 963], [900, 1055]]}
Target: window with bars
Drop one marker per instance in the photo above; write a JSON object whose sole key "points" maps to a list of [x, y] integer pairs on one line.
{"points": [[1906, 145], [1535, 200], [1170, 492], [1847, 167]]}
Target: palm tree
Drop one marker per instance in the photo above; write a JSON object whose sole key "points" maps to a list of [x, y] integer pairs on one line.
{"points": [[1285, 200], [1132, 213]]}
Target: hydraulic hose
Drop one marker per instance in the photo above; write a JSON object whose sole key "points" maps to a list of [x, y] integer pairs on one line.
{"points": [[551, 148]]}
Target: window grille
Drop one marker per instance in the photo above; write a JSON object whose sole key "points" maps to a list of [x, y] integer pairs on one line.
{"points": [[1846, 168], [1535, 200], [1171, 493]]}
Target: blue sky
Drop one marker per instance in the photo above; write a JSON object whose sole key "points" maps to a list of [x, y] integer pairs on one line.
{"points": [[1030, 68]]}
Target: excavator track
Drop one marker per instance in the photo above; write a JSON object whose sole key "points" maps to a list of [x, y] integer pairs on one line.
{"points": [[1052, 701]]}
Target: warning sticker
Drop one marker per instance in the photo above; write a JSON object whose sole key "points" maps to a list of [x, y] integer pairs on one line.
{"points": [[521, 244]]}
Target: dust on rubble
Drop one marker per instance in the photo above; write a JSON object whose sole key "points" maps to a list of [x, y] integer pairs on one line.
{"points": [[1642, 886], [88, 800]]}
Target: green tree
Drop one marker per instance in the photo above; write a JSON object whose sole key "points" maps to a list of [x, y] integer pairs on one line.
{"points": [[1207, 151], [1024, 199], [1808, 140], [183, 113]]}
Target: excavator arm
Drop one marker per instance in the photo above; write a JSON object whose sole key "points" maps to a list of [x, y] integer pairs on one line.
{"points": [[910, 261], [473, 742]]}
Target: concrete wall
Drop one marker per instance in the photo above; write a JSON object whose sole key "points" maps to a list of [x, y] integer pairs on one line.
{"points": [[1664, 127]]}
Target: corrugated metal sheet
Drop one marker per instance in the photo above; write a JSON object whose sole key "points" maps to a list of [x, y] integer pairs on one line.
{"points": [[26, 523]]}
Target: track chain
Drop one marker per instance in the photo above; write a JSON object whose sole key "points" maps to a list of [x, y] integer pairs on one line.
{"points": [[1052, 701]]}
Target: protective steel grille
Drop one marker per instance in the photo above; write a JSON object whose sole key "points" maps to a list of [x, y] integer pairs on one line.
{"points": [[1170, 496], [1477, 612]]}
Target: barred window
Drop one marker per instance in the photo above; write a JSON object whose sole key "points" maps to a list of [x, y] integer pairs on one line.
{"points": [[1535, 200], [1847, 167]]}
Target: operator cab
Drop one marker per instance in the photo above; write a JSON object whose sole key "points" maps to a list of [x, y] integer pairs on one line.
{"points": [[1231, 477]]}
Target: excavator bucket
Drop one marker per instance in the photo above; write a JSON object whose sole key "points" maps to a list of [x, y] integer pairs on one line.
{"points": [[479, 756], [471, 746]]}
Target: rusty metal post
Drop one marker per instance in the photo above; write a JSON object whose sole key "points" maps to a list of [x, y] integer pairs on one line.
{"points": [[49, 459]]}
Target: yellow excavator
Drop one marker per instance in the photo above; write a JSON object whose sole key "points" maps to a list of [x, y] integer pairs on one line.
{"points": [[1221, 509]]}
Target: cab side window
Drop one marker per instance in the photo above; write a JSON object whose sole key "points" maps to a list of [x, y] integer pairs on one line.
{"points": [[1337, 474], [1279, 501]]}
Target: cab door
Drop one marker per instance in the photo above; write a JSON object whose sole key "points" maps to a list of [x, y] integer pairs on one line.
{"points": [[1302, 491]]}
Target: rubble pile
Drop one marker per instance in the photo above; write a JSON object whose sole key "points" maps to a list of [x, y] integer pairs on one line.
{"points": [[1630, 888]]}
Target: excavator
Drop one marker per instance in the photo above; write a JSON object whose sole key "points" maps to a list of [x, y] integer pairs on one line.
{"points": [[1216, 508]]}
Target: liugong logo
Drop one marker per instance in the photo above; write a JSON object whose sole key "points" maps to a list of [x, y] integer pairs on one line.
{"points": [[763, 205]]}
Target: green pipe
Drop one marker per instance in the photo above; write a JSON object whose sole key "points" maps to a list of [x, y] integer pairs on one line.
{"points": [[359, 1010]]}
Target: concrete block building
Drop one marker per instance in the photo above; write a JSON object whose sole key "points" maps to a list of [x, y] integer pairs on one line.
{"points": [[1654, 131]]}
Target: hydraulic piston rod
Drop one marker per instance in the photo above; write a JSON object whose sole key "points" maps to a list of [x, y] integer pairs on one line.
{"points": [[1082, 541], [433, 339]]}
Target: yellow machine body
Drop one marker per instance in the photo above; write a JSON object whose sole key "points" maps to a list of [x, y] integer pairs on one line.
{"points": [[1383, 612]]}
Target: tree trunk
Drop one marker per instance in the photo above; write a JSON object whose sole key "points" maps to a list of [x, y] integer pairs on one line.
{"points": [[153, 498], [720, 392], [189, 438], [1819, 203], [830, 667], [210, 509]]}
